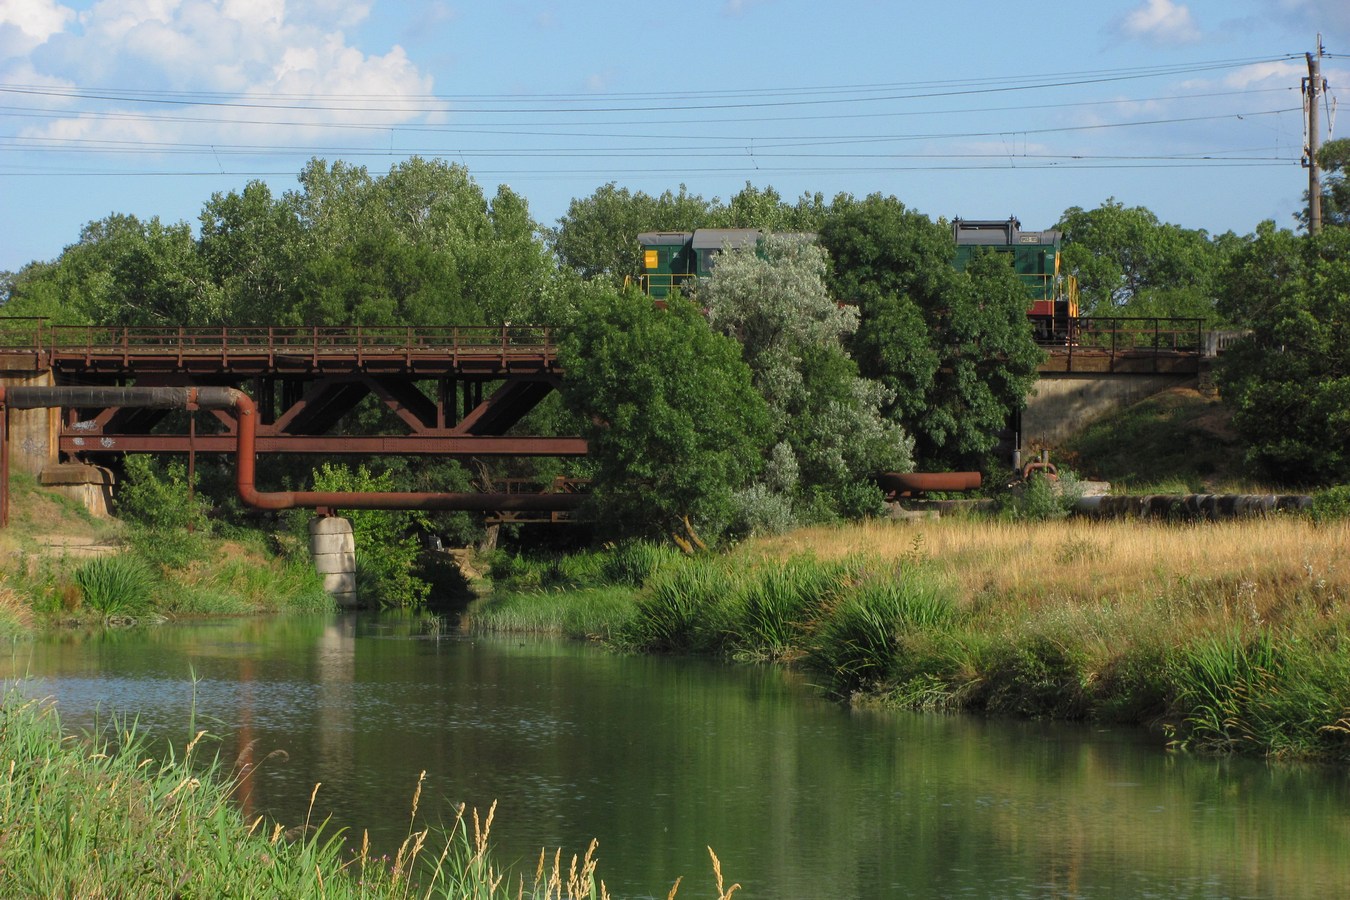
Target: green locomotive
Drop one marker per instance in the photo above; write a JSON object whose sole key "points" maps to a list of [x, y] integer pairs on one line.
{"points": [[672, 259], [1036, 260]]}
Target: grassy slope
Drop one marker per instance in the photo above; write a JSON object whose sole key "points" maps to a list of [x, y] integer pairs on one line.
{"points": [[1178, 441], [52, 544]]}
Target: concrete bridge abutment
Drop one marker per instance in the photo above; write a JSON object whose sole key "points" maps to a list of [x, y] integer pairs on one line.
{"points": [[1063, 403]]}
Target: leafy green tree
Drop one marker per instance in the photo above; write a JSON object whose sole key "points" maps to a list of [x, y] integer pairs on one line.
{"points": [[1128, 263], [1288, 382], [1334, 158], [254, 246], [674, 424], [954, 349], [765, 209], [825, 418], [123, 271], [597, 237]]}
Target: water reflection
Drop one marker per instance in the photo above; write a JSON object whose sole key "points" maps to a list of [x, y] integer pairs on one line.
{"points": [[660, 758]]}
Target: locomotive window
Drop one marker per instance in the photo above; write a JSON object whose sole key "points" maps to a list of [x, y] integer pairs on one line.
{"points": [[651, 259]]}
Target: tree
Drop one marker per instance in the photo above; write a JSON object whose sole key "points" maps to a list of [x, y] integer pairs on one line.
{"points": [[1128, 263], [253, 246], [1288, 381], [828, 429], [597, 238], [954, 349], [1334, 158], [674, 424]]}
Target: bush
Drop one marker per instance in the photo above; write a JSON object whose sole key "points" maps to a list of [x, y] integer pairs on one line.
{"points": [[155, 497], [1331, 505], [1044, 499], [116, 585], [386, 543]]}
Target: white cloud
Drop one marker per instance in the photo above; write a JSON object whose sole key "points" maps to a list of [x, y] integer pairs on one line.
{"points": [[232, 47], [739, 7], [1161, 21], [27, 24]]}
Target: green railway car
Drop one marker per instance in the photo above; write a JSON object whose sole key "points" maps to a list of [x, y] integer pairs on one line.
{"points": [[670, 259], [1036, 260]]}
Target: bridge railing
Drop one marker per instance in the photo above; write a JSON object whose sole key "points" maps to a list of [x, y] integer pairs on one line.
{"points": [[1126, 334], [67, 340], [23, 332]]}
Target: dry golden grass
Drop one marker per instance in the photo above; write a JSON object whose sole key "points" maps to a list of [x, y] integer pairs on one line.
{"points": [[15, 614], [1258, 569]]}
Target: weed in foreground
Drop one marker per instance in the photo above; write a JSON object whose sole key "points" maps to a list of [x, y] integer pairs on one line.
{"points": [[88, 818]]}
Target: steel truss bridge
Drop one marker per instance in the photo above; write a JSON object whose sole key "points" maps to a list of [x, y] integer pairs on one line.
{"points": [[448, 391], [458, 391]]}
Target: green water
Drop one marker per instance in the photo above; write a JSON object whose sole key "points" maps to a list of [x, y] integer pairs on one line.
{"points": [[659, 759]]}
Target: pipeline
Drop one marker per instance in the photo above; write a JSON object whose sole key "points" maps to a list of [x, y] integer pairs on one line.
{"points": [[246, 414], [1191, 507], [904, 484]]}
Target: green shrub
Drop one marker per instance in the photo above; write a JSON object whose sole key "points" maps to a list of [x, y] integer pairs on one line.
{"points": [[386, 541], [155, 496], [1331, 505], [116, 585]]}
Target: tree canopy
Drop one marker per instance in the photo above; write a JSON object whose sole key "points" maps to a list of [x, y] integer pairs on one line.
{"points": [[1288, 381], [674, 424], [1129, 263], [829, 435], [955, 349]]}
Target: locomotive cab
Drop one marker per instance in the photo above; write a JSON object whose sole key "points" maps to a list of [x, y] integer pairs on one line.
{"points": [[671, 259], [1036, 260]]}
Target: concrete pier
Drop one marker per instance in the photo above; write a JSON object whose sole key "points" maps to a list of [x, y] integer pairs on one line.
{"points": [[333, 547]]}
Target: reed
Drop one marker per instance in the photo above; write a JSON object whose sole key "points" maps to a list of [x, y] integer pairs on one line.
{"points": [[587, 613], [95, 817], [121, 585]]}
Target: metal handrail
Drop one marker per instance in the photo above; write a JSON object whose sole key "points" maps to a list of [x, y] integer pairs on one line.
{"points": [[1120, 334], [308, 340]]}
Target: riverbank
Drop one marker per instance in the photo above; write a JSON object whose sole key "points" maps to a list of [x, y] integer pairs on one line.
{"points": [[1219, 636], [61, 566]]}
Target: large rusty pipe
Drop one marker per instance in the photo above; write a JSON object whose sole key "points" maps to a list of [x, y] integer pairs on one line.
{"points": [[919, 482], [246, 456]]}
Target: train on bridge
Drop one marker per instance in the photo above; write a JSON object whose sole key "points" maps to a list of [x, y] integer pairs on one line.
{"points": [[673, 259]]}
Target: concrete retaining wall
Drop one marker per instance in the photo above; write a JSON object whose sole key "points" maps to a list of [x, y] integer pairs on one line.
{"points": [[32, 432]]}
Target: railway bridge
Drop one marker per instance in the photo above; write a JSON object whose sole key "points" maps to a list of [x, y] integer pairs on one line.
{"points": [[443, 391]]}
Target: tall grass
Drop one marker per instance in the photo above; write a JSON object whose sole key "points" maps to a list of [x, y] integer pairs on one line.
{"points": [[586, 613], [1226, 636], [121, 585], [104, 817]]}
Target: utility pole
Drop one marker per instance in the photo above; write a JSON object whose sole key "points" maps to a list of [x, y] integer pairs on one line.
{"points": [[1313, 87]]}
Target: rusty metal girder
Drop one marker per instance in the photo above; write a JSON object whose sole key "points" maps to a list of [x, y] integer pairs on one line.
{"points": [[395, 445]]}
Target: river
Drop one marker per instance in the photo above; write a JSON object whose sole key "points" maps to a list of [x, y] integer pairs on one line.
{"points": [[660, 759]]}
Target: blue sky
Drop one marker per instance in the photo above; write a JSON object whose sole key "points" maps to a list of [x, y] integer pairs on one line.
{"points": [[975, 109]]}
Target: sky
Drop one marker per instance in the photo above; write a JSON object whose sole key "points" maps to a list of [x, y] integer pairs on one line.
{"points": [[977, 109]]}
